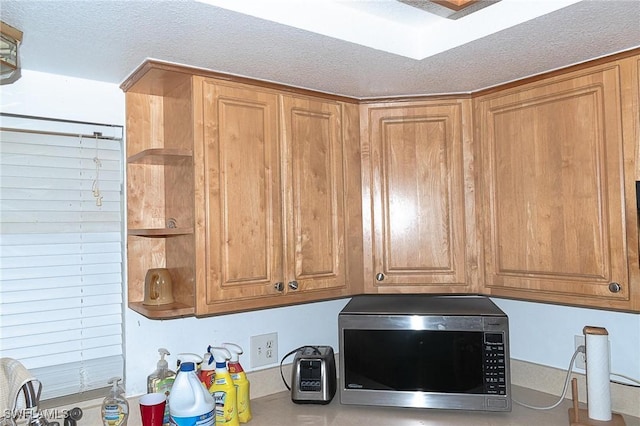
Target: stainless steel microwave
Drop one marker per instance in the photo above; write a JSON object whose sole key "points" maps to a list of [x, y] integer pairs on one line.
{"points": [[424, 351]]}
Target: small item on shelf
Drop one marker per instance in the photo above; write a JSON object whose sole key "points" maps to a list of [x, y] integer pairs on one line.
{"points": [[158, 287]]}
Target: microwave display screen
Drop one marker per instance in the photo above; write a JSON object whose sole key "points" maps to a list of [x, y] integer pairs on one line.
{"points": [[441, 361]]}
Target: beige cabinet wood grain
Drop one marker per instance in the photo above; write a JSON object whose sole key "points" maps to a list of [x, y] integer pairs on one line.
{"points": [[241, 190], [274, 190], [243, 203], [554, 179], [160, 190], [419, 194], [314, 189]]}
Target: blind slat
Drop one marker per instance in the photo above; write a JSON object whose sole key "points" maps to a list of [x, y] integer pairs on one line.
{"points": [[61, 276], [52, 326], [61, 314], [44, 249], [85, 237]]}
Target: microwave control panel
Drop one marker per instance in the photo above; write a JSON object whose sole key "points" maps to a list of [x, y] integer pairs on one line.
{"points": [[494, 364]]}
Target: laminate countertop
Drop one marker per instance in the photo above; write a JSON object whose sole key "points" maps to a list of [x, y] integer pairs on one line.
{"points": [[278, 410]]}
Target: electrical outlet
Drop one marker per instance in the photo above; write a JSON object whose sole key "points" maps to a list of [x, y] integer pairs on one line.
{"points": [[264, 349], [580, 361]]}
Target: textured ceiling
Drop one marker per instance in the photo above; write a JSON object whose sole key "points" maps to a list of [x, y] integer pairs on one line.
{"points": [[107, 40]]}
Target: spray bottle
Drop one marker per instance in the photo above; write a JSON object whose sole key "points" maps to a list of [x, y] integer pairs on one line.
{"points": [[207, 370], [240, 381], [115, 408], [161, 381], [223, 390]]}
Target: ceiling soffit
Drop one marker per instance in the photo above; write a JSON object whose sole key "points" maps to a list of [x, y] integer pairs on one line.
{"points": [[393, 26]]}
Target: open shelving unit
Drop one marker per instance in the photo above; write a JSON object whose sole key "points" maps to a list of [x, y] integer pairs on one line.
{"points": [[160, 187]]}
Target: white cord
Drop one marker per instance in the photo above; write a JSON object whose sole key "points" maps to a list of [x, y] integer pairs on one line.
{"points": [[564, 390], [579, 349], [631, 379], [96, 183]]}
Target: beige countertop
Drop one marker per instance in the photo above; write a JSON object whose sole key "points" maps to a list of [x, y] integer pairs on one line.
{"points": [[279, 410], [272, 406]]}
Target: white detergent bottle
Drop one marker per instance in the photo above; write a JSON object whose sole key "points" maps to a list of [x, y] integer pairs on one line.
{"points": [[240, 380], [223, 390], [190, 404]]}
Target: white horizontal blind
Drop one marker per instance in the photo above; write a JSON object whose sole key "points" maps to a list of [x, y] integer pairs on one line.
{"points": [[61, 230]]}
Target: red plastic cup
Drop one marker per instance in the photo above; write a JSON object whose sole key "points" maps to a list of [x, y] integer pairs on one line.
{"points": [[152, 408]]}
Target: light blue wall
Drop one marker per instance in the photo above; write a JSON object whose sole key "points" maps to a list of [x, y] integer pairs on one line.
{"points": [[544, 334], [540, 333]]}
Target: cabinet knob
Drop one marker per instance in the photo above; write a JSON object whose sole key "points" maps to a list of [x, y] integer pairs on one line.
{"points": [[615, 287], [293, 285], [279, 286], [379, 276]]}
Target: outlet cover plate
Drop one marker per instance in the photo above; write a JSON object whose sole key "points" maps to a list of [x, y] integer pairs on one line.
{"points": [[264, 349]]}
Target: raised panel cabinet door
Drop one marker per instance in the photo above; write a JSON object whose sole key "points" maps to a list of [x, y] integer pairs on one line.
{"points": [[554, 186], [243, 195], [314, 189], [417, 195]]}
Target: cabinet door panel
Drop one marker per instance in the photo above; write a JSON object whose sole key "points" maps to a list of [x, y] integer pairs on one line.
{"points": [[244, 238], [554, 186], [418, 197], [314, 186]]}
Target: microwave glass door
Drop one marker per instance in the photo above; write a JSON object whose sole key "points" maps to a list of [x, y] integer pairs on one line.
{"points": [[414, 360]]}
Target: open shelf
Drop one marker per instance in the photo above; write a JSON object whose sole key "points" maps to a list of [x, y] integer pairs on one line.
{"points": [[172, 310], [160, 188], [161, 156], [160, 232]]}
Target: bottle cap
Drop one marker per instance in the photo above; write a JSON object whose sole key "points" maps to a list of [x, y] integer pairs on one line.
{"points": [[187, 366]]}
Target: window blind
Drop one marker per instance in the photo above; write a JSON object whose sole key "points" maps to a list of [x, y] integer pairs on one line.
{"points": [[61, 245]]}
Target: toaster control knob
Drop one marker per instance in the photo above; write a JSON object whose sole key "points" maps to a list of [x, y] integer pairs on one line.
{"points": [[379, 276], [279, 286], [293, 285], [615, 287]]}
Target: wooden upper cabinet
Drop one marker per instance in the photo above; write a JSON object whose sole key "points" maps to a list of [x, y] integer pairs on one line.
{"points": [[273, 191], [415, 179], [314, 188], [242, 186], [554, 190]]}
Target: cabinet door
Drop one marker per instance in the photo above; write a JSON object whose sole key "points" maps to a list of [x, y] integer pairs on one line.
{"points": [[417, 198], [314, 190], [554, 185], [243, 195]]}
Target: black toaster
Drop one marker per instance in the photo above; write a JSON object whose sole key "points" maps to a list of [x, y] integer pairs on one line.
{"points": [[313, 375]]}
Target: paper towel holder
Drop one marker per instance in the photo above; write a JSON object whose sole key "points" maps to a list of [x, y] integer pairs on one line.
{"points": [[580, 416]]}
